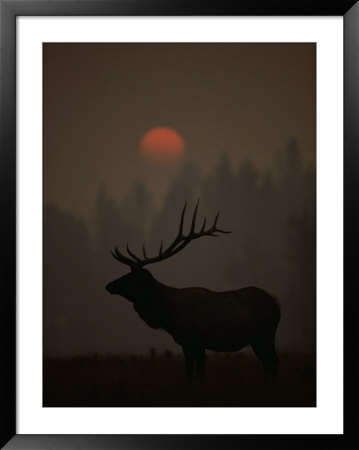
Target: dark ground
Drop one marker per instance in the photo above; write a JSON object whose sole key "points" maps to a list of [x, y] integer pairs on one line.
{"points": [[158, 380]]}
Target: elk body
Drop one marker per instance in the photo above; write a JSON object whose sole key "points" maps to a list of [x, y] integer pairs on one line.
{"points": [[197, 318]]}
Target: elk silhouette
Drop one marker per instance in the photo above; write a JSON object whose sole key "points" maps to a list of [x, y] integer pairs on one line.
{"points": [[197, 318]]}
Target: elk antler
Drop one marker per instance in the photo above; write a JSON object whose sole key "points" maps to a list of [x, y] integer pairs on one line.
{"points": [[177, 245]]}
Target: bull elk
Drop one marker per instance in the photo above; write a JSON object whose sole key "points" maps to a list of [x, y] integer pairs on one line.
{"points": [[197, 318]]}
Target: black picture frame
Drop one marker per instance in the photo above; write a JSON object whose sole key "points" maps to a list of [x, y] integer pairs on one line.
{"points": [[9, 10]]}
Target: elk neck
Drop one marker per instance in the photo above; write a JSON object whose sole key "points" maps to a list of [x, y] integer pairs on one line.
{"points": [[154, 303]]}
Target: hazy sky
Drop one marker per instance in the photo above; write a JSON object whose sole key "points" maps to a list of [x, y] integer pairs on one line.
{"points": [[247, 100]]}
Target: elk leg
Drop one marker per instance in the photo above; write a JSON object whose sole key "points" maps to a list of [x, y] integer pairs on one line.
{"points": [[201, 363], [189, 360], [266, 353]]}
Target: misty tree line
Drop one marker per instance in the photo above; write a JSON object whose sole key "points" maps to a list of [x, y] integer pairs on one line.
{"points": [[272, 217]]}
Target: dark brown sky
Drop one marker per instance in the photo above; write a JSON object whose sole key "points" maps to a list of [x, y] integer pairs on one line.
{"points": [[248, 100]]}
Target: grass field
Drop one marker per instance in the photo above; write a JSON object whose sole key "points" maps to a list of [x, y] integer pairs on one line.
{"points": [[234, 379]]}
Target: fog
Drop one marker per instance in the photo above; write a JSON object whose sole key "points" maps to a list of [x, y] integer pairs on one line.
{"points": [[272, 216]]}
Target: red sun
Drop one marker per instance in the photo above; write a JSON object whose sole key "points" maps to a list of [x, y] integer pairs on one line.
{"points": [[162, 145]]}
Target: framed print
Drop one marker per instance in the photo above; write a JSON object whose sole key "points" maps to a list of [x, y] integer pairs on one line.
{"points": [[131, 134]]}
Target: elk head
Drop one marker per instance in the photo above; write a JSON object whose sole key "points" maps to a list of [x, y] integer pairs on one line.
{"points": [[136, 283]]}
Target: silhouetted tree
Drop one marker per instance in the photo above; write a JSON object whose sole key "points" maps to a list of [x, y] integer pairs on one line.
{"points": [[137, 209], [68, 266]]}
